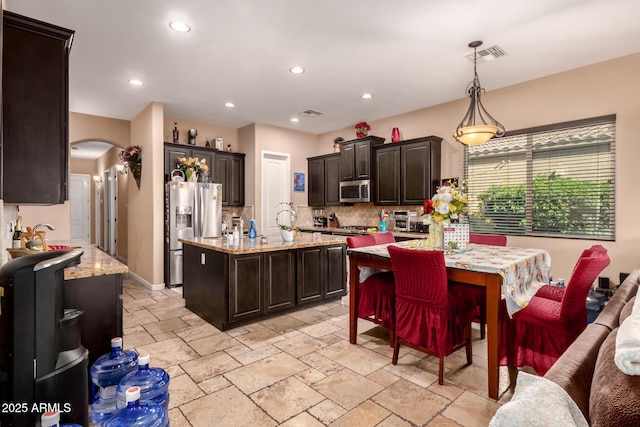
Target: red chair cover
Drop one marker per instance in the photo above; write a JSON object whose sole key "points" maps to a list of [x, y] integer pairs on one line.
{"points": [[428, 314], [376, 296], [538, 334], [386, 237], [488, 239]]}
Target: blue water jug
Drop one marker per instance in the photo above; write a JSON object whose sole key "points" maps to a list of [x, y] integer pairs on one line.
{"points": [[52, 419], [138, 414], [153, 383], [106, 374]]}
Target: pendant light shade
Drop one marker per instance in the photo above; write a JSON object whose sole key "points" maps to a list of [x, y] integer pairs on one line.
{"points": [[477, 125]]}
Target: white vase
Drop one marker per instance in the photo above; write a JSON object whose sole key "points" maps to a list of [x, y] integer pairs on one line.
{"points": [[287, 235], [193, 177]]}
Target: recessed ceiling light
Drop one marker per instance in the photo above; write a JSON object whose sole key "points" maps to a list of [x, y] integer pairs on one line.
{"points": [[295, 119], [180, 27], [229, 104], [136, 82], [296, 70], [366, 96]]}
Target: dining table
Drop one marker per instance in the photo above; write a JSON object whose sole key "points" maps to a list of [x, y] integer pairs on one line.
{"points": [[507, 273]]}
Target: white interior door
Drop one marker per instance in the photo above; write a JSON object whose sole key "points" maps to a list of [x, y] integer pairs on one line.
{"points": [[276, 187], [79, 203], [106, 214]]}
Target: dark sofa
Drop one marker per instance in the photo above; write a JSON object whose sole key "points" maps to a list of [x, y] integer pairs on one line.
{"points": [[587, 370]]}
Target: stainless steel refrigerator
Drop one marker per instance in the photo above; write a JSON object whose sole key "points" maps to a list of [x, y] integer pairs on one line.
{"points": [[191, 210]]}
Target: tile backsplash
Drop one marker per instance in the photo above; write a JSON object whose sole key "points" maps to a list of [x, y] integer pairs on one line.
{"points": [[359, 214]]}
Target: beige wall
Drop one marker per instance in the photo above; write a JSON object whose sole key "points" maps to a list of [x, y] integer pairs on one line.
{"points": [[257, 138], [205, 131], [146, 204], [606, 88]]}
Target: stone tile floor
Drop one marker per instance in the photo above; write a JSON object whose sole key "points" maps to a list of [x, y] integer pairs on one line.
{"points": [[298, 369]]}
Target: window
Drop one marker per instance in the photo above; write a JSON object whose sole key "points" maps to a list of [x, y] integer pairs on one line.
{"points": [[556, 180]]}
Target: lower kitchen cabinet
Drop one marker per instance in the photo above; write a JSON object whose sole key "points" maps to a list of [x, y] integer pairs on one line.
{"points": [[228, 290], [279, 280], [100, 299], [321, 273]]}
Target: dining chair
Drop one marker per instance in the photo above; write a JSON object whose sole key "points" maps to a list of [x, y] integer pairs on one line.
{"points": [[556, 293], [479, 294], [429, 315], [376, 298], [538, 334]]}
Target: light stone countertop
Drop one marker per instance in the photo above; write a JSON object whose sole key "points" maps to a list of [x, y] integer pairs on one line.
{"points": [[275, 243], [93, 261]]}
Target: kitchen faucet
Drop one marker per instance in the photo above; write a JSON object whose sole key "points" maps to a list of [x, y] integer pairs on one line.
{"points": [[49, 226]]}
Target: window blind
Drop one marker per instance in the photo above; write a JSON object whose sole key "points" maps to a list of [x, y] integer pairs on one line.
{"points": [[557, 180]]}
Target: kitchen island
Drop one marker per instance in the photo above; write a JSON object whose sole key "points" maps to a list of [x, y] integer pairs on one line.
{"points": [[230, 285]]}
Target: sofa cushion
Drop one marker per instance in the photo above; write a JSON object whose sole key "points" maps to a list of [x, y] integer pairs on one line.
{"points": [[611, 312], [627, 309], [614, 395], [573, 371]]}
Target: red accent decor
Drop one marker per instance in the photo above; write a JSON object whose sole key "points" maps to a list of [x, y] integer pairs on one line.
{"points": [[538, 334], [376, 298], [430, 317]]}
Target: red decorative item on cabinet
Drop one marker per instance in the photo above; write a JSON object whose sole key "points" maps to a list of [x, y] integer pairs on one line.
{"points": [[395, 135], [362, 128]]}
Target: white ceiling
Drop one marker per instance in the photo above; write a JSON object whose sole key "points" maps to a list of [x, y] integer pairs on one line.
{"points": [[410, 54]]}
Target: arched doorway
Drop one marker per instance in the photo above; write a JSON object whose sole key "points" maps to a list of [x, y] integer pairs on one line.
{"points": [[98, 160]]}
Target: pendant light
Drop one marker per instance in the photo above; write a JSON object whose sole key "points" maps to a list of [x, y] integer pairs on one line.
{"points": [[477, 126]]}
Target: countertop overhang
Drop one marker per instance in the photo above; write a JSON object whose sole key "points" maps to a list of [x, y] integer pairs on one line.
{"points": [[274, 243], [93, 261]]}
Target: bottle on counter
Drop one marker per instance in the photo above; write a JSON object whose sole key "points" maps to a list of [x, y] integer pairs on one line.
{"points": [[236, 233], [17, 234], [252, 229], [176, 133]]}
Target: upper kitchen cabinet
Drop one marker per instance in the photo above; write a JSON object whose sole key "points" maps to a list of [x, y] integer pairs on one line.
{"points": [[35, 108], [407, 172], [228, 170], [324, 180], [172, 152], [355, 158], [224, 167]]}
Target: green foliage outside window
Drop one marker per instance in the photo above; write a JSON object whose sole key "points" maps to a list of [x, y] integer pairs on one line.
{"points": [[560, 205]]}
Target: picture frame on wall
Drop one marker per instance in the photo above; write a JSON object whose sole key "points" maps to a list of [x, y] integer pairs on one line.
{"points": [[298, 181]]}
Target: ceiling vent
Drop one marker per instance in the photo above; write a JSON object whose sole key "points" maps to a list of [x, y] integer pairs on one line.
{"points": [[310, 113], [488, 54]]}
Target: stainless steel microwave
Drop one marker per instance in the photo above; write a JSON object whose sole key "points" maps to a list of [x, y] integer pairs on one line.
{"points": [[355, 191]]}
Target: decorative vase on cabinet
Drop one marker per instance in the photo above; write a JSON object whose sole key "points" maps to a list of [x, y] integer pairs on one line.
{"points": [[287, 235]]}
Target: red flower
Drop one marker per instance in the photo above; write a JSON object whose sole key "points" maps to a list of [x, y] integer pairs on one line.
{"points": [[428, 206], [446, 184], [363, 126]]}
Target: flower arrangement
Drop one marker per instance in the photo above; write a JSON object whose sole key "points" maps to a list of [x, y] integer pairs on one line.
{"points": [[447, 204], [193, 166], [362, 128], [288, 211], [132, 157]]}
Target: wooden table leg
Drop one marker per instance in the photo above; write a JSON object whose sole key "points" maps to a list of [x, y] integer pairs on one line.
{"points": [[353, 298], [494, 284]]}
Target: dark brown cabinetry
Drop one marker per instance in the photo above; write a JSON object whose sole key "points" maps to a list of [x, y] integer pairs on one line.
{"points": [[279, 280], [324, 180], [321, 273], [355, 158], [35, 108], [224, 168], [406, 173], [100, 299], [172, 152], [228, 290], [228, 170]]}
